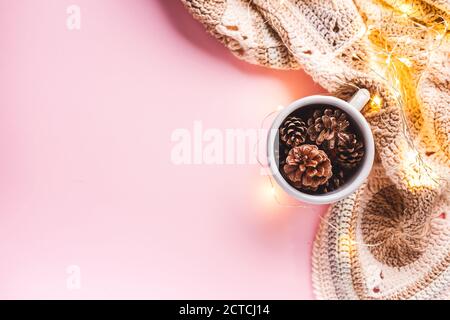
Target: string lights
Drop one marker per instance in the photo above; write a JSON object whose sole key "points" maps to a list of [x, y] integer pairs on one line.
{"points": [[375, 103], [406, 9], [398, 57]]}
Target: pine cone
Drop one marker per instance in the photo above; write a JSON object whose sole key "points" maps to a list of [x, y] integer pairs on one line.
{"points": [[307, 167], [293, 131], [350, 151], [336, 181], [327, 127]]}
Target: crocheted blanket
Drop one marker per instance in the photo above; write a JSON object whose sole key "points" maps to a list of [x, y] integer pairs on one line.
{"points": [[391, 238]]}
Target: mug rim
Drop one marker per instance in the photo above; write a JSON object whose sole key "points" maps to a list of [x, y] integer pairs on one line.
{"points": [[365, 168]]}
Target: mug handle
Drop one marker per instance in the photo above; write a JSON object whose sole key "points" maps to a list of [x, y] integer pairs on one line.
{"points": [[359, 99]]}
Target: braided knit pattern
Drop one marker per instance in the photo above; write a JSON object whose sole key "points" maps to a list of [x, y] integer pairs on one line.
{"points": [[391, 238]]}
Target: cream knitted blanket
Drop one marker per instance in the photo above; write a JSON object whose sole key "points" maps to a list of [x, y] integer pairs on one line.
{"points": [[390, 239]]}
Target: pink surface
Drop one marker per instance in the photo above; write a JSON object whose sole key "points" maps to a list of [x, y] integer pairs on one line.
{"points": [[86, 176]]}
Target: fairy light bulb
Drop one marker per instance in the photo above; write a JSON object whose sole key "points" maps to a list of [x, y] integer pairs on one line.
{"points": [[388, 59], [405, 61], [411, 156], [377, 100], [406, 8], [418, 175], [376, 103], [344, 244]]}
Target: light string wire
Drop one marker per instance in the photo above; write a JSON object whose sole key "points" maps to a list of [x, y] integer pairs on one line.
{"points": [[399, 73], [394, 69]]}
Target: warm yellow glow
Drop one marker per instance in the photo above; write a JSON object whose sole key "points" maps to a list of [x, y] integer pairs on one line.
{"points": [[269, 191], [344, 243], [388, 59], [418, 174], [273, 191], [406, 8], [376, 103], [405, 61], [280, 107], [266, 197], [377, 100], [411, 156]]}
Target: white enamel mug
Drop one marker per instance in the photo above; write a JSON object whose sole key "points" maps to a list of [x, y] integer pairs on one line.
{"points": [[352, 109]]}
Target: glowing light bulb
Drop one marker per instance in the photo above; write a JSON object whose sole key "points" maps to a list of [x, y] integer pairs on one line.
{"points": [[280, 107], [411, 155], [377, 100], [405, 61], [267, 196], [417, 173], [388, 60], [344, 243], [272, 191], [406, 8]]}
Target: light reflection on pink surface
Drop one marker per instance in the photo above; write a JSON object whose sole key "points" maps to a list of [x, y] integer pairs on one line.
{"points": [[86, 177]]}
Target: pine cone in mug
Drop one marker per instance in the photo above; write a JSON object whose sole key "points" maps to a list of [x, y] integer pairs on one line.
{"points": [[350, 151], [307, 167], [325, 127], [293, 131], [336, 181]]}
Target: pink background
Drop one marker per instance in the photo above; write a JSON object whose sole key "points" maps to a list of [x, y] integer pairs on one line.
{"points": [[86, 178]]}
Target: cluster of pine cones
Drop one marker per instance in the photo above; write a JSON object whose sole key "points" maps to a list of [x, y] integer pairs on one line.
{"points": [[321, 152]]}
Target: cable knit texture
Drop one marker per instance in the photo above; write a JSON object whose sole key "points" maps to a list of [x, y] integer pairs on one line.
{"points": [[391, 238]]}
